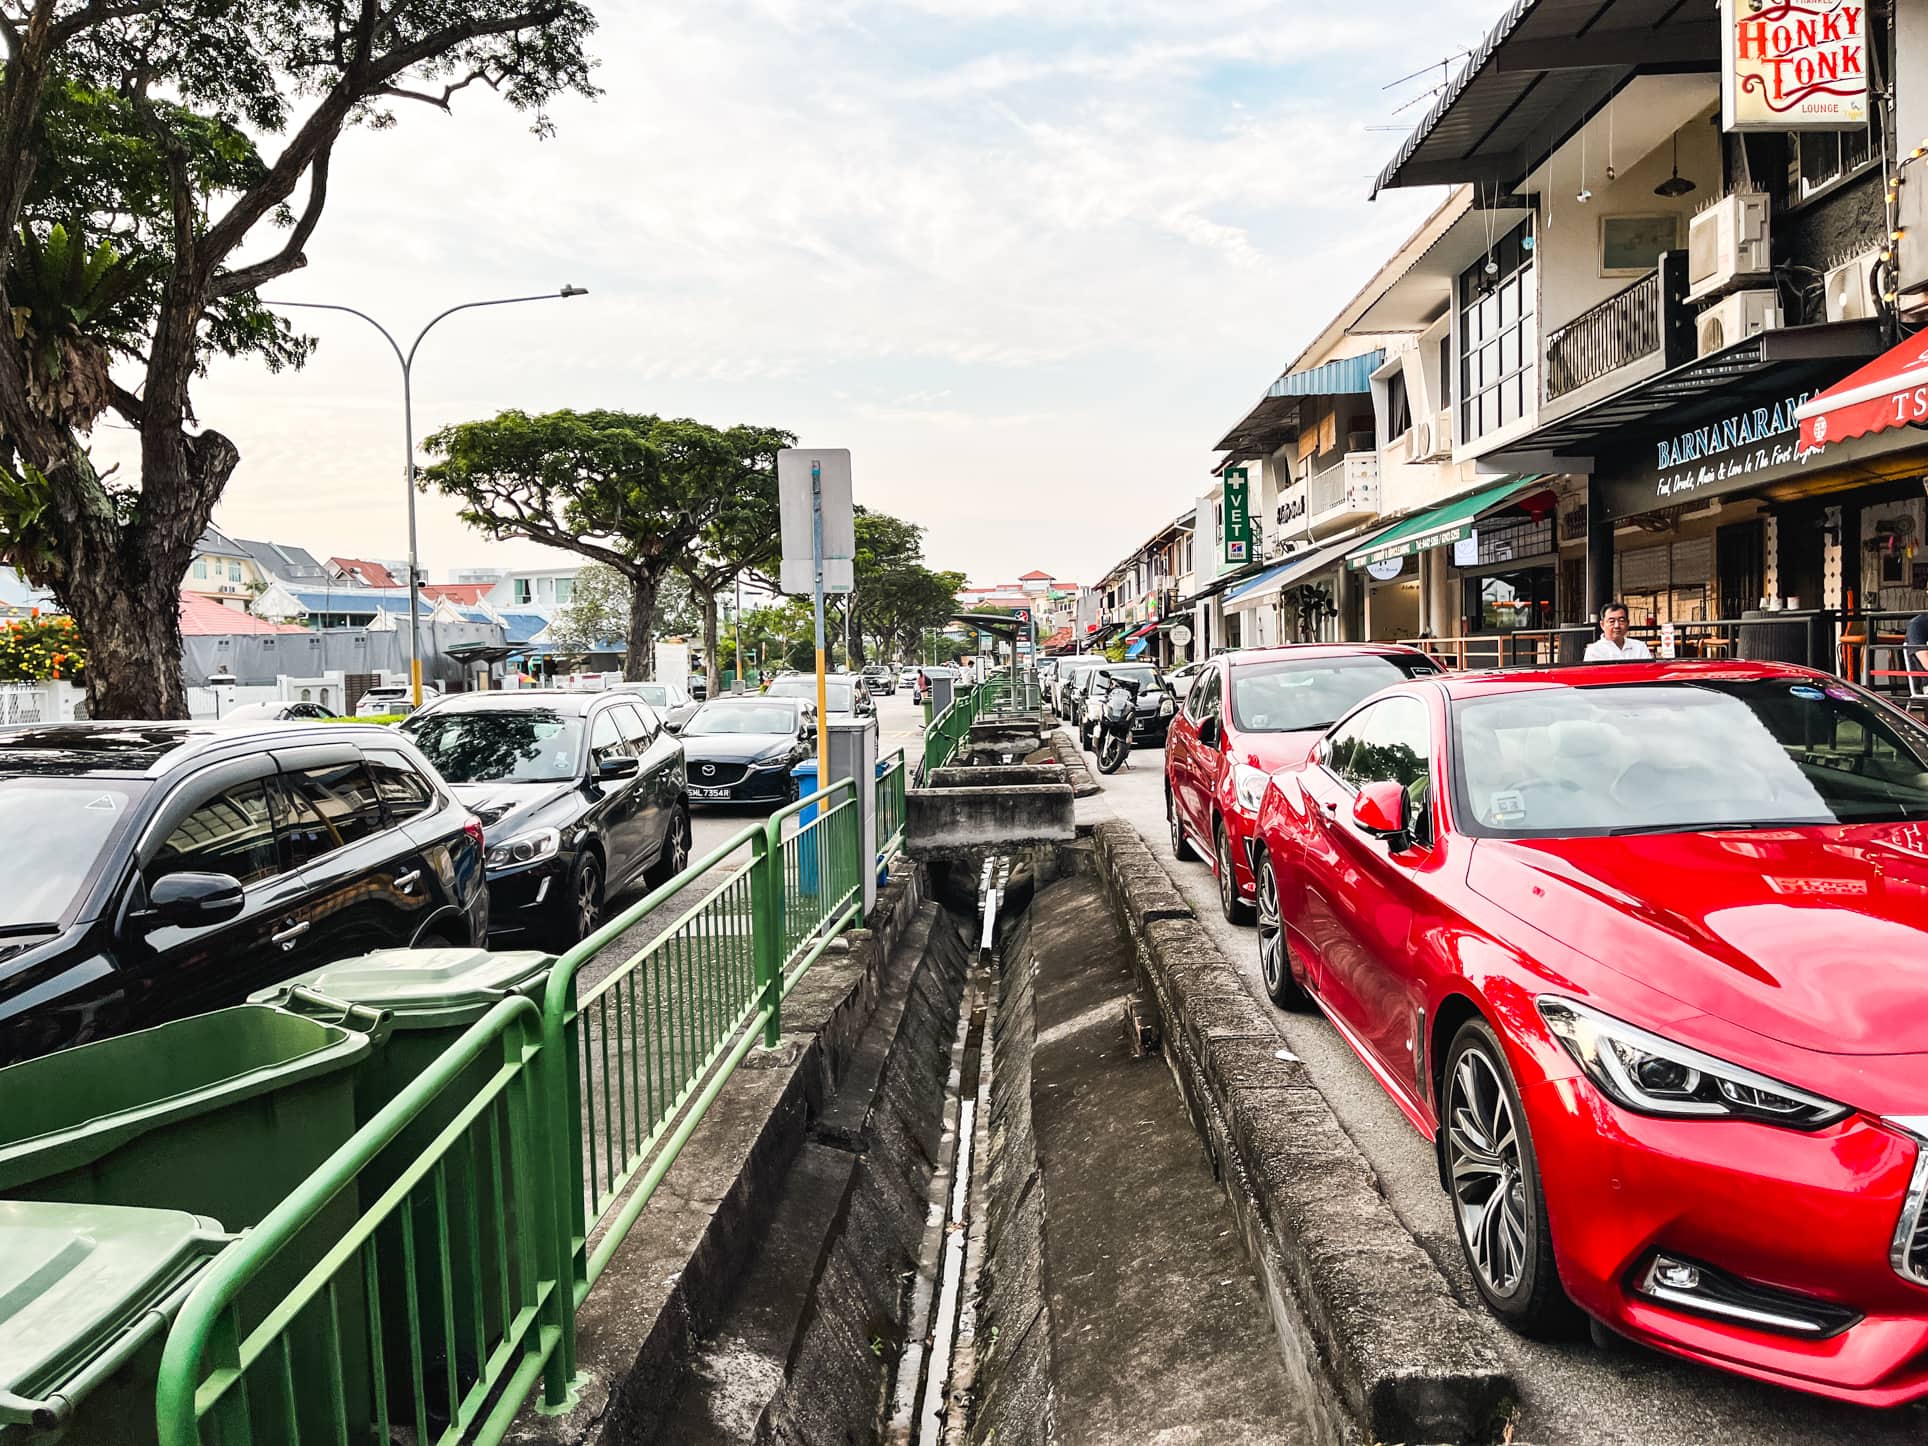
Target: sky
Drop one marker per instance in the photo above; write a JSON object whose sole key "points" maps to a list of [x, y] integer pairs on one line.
{"points": [[1027, 259]]}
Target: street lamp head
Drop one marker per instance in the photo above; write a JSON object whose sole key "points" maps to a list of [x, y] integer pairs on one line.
{"points": [[574, 291]]}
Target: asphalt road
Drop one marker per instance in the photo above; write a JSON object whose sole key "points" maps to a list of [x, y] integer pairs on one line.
{"points": [[1573, 1392]]}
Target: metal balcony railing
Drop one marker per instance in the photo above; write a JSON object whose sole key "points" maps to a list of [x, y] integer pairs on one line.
{"points": [[1647, 319], [1352, 481]]}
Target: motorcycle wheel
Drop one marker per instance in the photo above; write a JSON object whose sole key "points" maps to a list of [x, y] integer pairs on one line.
{"points": [[1111, 753]]}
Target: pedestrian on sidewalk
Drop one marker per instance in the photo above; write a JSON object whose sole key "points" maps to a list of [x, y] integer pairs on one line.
{"points": [[1613, 645]]}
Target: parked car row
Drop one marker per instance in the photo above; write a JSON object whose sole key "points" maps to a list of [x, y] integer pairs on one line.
{"points": [[178, 867], [1641, 949]]}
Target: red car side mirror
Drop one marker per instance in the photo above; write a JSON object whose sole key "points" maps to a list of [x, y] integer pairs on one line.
{"points": [[1380, 810]]}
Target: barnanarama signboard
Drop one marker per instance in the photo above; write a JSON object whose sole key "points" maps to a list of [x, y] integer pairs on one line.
{"points": [[1794, 65]]}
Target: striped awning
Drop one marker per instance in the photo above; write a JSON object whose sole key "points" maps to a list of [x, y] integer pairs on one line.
{"points": [[1449, 522]]}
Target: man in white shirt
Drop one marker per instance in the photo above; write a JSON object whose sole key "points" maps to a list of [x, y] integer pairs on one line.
{"points": [[1613, 645]]}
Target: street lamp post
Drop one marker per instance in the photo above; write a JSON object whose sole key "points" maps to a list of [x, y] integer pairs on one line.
{"points": [[407, 359]]}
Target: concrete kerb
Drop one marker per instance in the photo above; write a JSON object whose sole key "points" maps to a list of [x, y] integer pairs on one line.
{"points": [[997, 775], [1356, 1302], [673, 1277], [944, 822], [1065, 748]]}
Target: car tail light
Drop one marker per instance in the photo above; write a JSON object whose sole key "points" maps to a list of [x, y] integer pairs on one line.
{"points": [[473, 828]]}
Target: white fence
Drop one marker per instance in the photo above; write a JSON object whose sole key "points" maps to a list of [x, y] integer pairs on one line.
{"points": [[329, 690], [39, 702]]}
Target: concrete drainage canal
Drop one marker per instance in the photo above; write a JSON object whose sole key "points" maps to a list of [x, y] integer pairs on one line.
{"points": [[998, 1227]]}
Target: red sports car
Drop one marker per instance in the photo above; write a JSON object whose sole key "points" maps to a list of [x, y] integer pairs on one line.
{"points": [[1643, 948], [1248, 714]]}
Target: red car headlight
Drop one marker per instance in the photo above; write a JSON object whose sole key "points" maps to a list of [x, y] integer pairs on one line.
{"points": [[1654, 1076], [1248, 786]]}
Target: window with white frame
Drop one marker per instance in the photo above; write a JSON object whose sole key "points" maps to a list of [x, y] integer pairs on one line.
{"points": [[1819, 160], [1498, 341]]}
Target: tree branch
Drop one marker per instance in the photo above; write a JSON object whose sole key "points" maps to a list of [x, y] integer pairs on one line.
{"points": [[99, 12], [127, 404], [441, 102], [290, 257], [367, 77]]}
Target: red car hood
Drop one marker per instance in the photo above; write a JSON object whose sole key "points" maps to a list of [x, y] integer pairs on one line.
{"points": [[1273, 751], [1816, 937]]}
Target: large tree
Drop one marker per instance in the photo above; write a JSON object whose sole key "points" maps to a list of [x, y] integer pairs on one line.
{"points": [[744, 536], [897, 596], [134, 198], [599, 606], [632, 491]]}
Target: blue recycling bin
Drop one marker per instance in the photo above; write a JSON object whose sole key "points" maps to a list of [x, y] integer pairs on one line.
{"points": [[805, 774]]}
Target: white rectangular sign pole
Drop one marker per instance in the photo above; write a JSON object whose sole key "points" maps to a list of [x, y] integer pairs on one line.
{"points": [[816, 559], [813, 487]]}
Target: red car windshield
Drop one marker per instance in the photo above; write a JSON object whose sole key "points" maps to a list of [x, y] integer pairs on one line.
{"points": [[1293, 696], [1679, 757]]}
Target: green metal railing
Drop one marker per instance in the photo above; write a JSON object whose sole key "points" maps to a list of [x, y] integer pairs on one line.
{"points": [[890, 807], [644, 1048], [999, 695], [455, 1290], [435, 1313], [949, 729]]}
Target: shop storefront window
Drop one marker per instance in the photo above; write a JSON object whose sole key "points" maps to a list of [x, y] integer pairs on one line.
{"points": [[1507, 602], [1499, 347], [1513, 540]]}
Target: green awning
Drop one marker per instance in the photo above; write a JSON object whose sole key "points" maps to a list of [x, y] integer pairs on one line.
{"points": [[1449, 522]]}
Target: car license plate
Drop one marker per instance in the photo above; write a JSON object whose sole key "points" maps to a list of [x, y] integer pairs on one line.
{"points": [[709, 792]]}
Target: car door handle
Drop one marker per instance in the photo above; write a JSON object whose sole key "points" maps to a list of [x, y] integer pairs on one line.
{"points": [[286, 938], [407, 882]]}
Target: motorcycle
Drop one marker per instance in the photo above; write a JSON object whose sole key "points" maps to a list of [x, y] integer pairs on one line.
{"points": [[1119, 714]]}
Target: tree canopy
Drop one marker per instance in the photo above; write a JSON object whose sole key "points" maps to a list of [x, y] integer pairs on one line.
{"points": [[897, 596], [599, 605], [632, 491], [150, 150]]}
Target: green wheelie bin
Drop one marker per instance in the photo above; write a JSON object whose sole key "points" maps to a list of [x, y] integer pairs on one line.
{"points": [[219, 1115], [87, 1293], [430, 998]]}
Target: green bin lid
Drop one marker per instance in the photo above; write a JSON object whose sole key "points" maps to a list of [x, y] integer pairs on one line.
{"points": [[65, 1110], [423, 988], [76, 1283]]}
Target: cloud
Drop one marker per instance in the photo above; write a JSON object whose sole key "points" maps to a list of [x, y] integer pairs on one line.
{"points": [[1018, 256]]}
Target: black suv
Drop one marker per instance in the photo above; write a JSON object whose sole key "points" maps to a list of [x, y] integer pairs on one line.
{"points": [[165, 869], [578, 793]]}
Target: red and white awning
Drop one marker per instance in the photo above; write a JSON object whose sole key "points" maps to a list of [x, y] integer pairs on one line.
{"points": [[1890, 391]]}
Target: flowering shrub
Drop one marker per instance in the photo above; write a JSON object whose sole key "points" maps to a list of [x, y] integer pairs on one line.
{"points": [[41, 648]]}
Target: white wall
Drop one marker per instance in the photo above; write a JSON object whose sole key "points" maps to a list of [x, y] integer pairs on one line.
{"points": [[1567, 245]]}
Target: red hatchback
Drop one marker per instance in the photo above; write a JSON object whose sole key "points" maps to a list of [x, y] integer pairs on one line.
{"points": [[1250, 713], [1643, 949]]}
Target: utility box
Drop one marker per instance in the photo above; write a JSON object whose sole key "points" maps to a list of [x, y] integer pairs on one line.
{"points": [[853, 754], [943, 690]]}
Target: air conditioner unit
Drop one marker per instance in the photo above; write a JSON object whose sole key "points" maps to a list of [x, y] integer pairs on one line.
{"points": [[1419, 442], [1851, 289], [1727, 244], [1735, 318]]}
